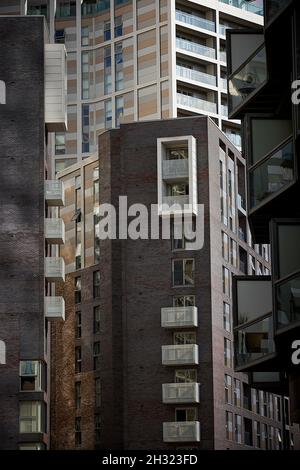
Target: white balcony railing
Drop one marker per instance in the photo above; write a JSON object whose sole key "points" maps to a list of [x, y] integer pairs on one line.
{"points": [[54, 308], [195, 75], [180, 354], [223, 83], [179, 317], [195, 48], [54, 269], [175, 169], [184, 431], [179, 201], [194, 20], [54, 193], [196, 103], [181, 393], [55, 231]]}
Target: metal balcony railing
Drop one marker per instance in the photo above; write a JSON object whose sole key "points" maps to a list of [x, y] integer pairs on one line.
{"points": [[194, 20], [196, 76], [195, 48], [196, 103]]}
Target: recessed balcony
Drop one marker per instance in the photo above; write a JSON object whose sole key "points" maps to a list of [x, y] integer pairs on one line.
{"points": [[196, 76], [253, 6], [181, 393], [195, 48], [55, 308], [194, 20], [180, 354], [54, 269], [55, 231], [179, 317], [54, 193], [175, 169], [184, 431], [196, 104]]}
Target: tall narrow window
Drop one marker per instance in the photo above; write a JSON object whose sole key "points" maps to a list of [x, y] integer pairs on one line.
{"points": [[238, 429], [78, 324], [78, 431], [85, 128], [108, 114], [77, 395], [96, 215], [78, 360], [226, 317], [237, 393], [97, 392], [31, 417], [97, 427], [227, 352], [228, 389], [60, 143], [77, 290], [96, 284], [107, 70], [77, 219], [85, 73], [96, 355], [183, 272], [107, 31], [30, 376], [119, 110], [119, 66], [118, 26], [97, 319], [226, 283], [229, 425]]}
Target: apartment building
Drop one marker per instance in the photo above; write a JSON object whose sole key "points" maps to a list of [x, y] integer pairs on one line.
{"points": [[145, 357], [136, 60], [260, 93], [32, 78]]}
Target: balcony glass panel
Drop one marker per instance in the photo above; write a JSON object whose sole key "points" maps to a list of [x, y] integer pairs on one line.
{"points": [[248, 79], [196, 76], [288, 249], [253, 6], [288, 303], [254, 342], [272, 175], [267, 134], [192, 102], [195, 48], [254, 300], [185, 431], [89, 7], [194, 20]]}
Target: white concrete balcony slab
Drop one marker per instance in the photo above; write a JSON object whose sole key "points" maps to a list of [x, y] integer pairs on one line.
{"points": [[54, 308], [181, 393], [54, 193], [54, 269], [182, 431], [179, 317], [180, 354], [55, 231], [55, 87]]}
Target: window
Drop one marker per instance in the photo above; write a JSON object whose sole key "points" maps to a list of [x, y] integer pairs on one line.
{"points": [[32, 446], [237, 393], [227, 352], [255, 400], [238, 429], [78, 431], [107, 70], [85, 70], [184, 338], [97, 428], [257, 433], [96, 215], [225, 246], [248, 436], [226, 317], [108, 114], [96, 355], [263, 403], [264, 436], [31, 417], [85, 31], [77, 290], [246, 396], [184, 301], [119, 67], [118, 26], [107, 31], [186, 376], [178, 189], [228, 389], [277, 408], [30, 376], [97, 392], [185, 414], [96, 284], [66, 8], [119, 109], [85, 128], [229, 425], [77, 395], [96, 319], [78, 325], [60, 36], [78, 360], [233, 251], [60, 143], [183, 272], [226, 284]]}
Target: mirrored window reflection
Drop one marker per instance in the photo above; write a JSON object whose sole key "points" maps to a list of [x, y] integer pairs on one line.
{"points": [[254, 300], [254, 342], [288, 302]]}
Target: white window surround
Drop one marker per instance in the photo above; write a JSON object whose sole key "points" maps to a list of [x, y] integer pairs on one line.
{"points": [[2, 92], [188, 205], [2, 352]]}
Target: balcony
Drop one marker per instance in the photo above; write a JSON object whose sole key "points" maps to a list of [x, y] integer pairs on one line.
{"points": [[54, 269], [180, 354], [223, 56], [179, 317], [197, 104], [55, 308], [55, 231], [180, 201], [175, 169], [223, 83], [247, 79], [223, 28], [54, 193], [195, 48], [235, 139], [197, 21], [185, 431], [253, 7], [181, 393], [224, 110], [55, 88], [196, 76]]}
